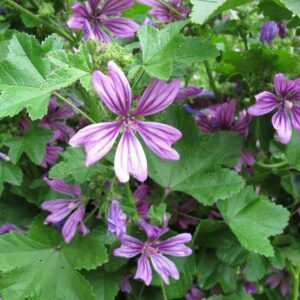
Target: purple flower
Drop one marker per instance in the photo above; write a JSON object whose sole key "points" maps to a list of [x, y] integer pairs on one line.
{"points": [[125, 285], [189, 91], [93, 19], [270, 30], [246, 157], [130, 157], [7, 228], [164, 14], [287, 103], [281, 279], [116, 219], [61, 208], [194, 294], [51, 156], [250, 287], [142, 205], [53, 120], [154, 251], [4, 157]]}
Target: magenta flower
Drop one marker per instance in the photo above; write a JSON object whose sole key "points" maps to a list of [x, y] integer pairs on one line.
{"points": [[125, 285], [164, 14], [189, 91], [142, 205], [7, 228], [154, 251], [250, 287], [116, 219], [194, 294], [61, 208], [94, 19], [54, 120], [51, 156], [281, 279], [130, 157], [286, 101], [270, 30]]}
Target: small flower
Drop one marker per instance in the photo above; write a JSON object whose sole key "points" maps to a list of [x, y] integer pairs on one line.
{"points": [[54, 120], [116, 219], [61, 208], [154, 251], [51, 156], [189, 91], [250, 287], [130, 157], [7, 228], [4, 157], [287, 103], [125, 285], [164, 14], [194, 294], [281, 279], [270, 30], [95, 19], [142, 205]]}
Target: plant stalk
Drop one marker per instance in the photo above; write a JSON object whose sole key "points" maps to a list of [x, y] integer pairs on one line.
{"points": [[296, 284], [163, 289], [211, 78]]}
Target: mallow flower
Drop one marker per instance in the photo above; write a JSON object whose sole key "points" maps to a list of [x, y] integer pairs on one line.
{"points": [[51, 156], [154, 250], [163, 14], [74, 209], [287, 103], [130, 158], [270, 30], [116, 219], [94, 16]]}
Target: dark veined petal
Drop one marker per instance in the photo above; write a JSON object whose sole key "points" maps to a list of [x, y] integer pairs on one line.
{"points": [[144, 271], [121, 27], [265, 103], [189, 91], [60, 186], [130, 247], [284, 86], [283, 126], [157, 96], [159, 138], [114, 7], [114, 90]]}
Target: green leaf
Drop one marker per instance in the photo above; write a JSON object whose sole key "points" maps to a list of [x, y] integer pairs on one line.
{"points": [[163, 48], [9, 173], [292, 5], [203, 9], [253, 219], [291, 183], [22, 74], [73, 164], [293, 150], [33, 144], [256, 267], [199, 172], [33, 270]]}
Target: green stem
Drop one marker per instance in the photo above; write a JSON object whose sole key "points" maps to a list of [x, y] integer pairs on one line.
{"points": [[138, 79], [51, 27], [174, 10], [91, 214], [210, 77], [141, 292], [128, 191], [272, 166], [296, 284], [188, 216], [73, 106], [163, 289]]}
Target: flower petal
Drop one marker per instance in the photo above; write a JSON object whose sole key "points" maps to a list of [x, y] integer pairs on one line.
{"points": [[130, 159], [81, 14], [60, 186], [114, 7], [175, 245], [159, 138], [98, 139], [130, 247], [225, 114], [295, 116], [114, 90], [144, 271], [265, 103], [284, 86], [94, 4], [189, 91], [99, 34], [282, 124], [164, 267], [121, 27], [116, 219], [157, 96]]}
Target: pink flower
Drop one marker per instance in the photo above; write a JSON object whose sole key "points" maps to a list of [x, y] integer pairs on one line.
{"points": [[130, 157]]}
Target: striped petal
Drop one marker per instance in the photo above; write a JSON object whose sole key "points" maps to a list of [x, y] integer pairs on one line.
{"points": [[265, 103], [121, 27], [283, 126], [130, 247], [60, 186], [159, 138], [114, 90], [157, 96], [144, 271], [114, 7], [98, 139]]}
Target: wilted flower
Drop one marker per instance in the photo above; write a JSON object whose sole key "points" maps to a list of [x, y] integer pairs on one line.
{"points": [[189, 91], [281, 279], [286, 101], [54, 120], [93, 18], [7, 228], [51, 156], [153, 249], [163, 13], [125, 285], [61, 208], [116, 219], [142, 205], [194, 294], [130, 157], [270, 30]]}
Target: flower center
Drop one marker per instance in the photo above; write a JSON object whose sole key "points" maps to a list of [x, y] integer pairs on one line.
{"points": [[149, 249], [288, 104], [72, 205], [129, 124]]}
